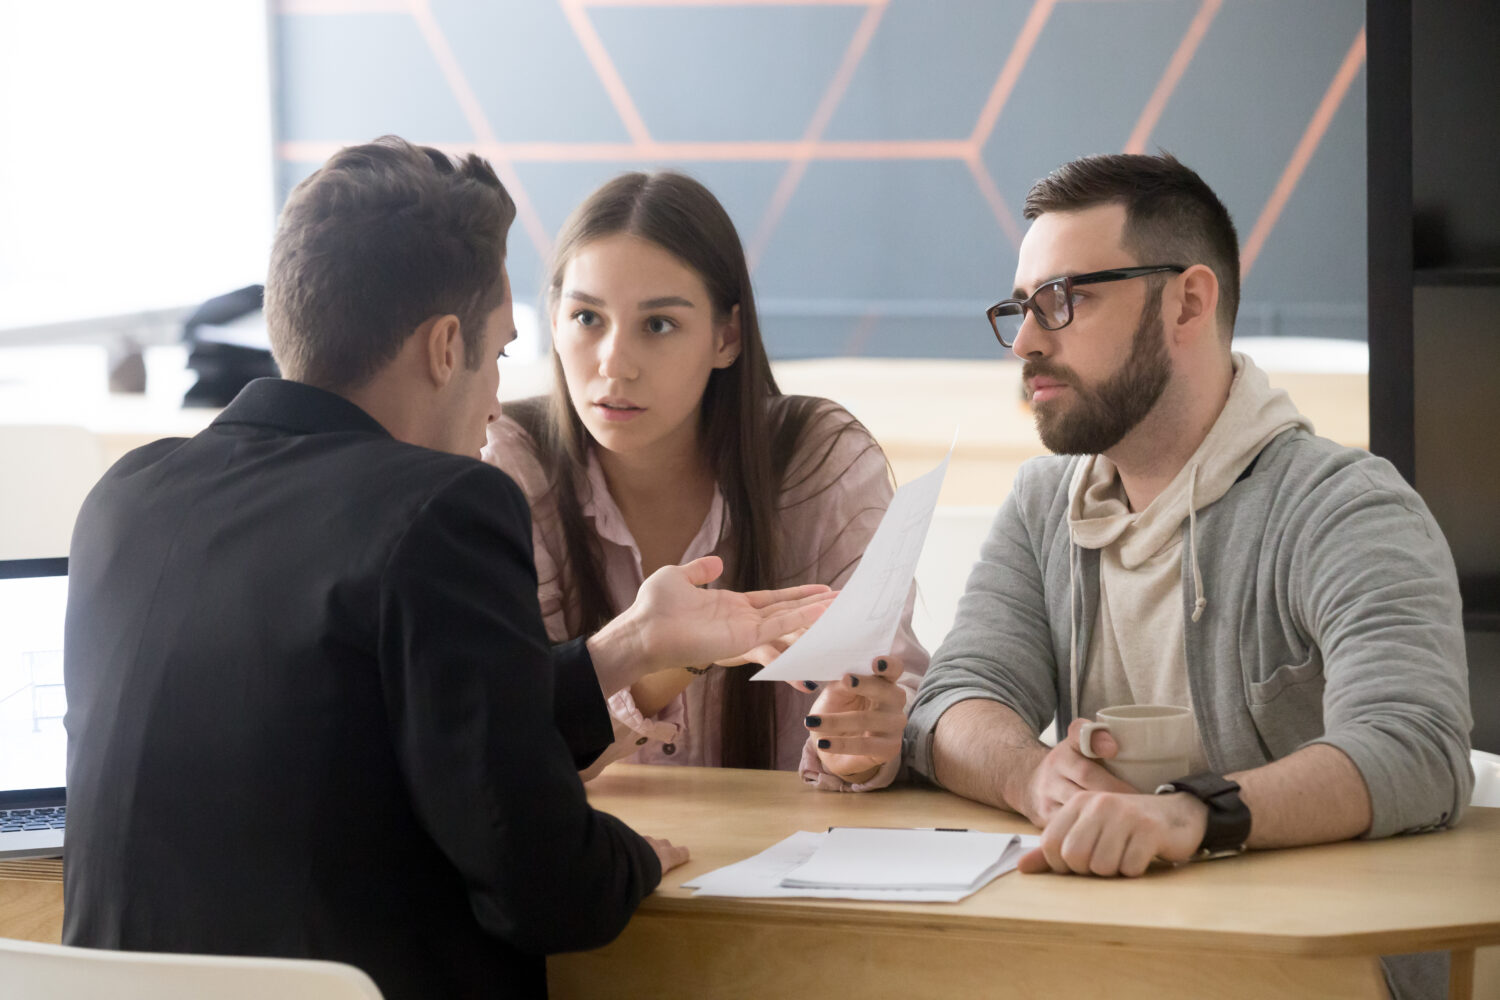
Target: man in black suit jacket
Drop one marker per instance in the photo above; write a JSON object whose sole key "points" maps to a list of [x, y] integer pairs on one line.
{"points": [[312, 707]]}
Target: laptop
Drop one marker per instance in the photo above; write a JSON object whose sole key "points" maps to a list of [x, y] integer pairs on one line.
{"points": [[33, 744]]}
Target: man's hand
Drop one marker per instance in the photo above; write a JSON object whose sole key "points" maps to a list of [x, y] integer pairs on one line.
{"points": [[667, 853], [1064, 773], [1109, 833], [676, 622], [859, 720], [765, 654]]}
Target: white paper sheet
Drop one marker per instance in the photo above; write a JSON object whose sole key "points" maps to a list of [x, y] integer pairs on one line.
{"points": [[880, 858], [760, 876], [861, 623]]}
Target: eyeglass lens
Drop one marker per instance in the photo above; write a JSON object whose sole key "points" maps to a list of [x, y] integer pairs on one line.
{"points": [[1050, 302]]}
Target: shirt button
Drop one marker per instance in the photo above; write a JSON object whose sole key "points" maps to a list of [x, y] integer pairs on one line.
{"points": [[641, 742], [669, 748]]}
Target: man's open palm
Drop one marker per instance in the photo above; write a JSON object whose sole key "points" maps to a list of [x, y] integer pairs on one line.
{"points": [[688, 624]]}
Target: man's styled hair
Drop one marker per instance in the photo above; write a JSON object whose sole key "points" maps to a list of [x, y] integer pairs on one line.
{"points": [[1171, 215], [381, 238]]}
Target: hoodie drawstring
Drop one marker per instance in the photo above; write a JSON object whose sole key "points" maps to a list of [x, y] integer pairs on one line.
{"points": [[1200, 602], [1072, 625]]}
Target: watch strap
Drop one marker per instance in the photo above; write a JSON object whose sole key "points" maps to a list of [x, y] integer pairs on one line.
{"points": [[1228, 825]]}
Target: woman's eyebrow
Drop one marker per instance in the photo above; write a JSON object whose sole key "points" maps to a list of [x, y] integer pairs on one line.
{"points": [[664, 301], [573, 293]]}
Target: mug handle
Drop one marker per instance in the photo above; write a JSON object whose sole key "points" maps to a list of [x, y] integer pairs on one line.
{"points": [[1086, 737]]}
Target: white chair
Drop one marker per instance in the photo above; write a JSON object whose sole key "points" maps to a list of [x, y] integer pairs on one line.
{"points": [[32, 971], [1486, 779], [48, 471]]}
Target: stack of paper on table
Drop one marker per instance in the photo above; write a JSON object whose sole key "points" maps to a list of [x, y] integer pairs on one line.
{"points": [[871, 863]]}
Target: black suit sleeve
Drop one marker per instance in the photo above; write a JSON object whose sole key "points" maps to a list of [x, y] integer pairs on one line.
{"points": [[468, 681], [578, 705]]}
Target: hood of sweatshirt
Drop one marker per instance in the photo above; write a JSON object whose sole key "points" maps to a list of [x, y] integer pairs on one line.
{"points": [[1098, 516]]}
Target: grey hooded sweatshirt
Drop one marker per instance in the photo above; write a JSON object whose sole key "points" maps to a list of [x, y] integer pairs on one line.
{"points": [[1331, 615], [1138, 656]]}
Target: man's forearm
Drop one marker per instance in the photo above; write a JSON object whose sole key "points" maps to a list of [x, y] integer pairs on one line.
{"points": [[622, 659], [1314, 796], [984, 751], [619, 654]]}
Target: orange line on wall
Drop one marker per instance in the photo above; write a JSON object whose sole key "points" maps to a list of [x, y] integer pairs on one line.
{"points": [[939, 149], [1020, 51], [453, 73], [858, 46], [991, 192], [473, 111], [1303, 154], [604, 68], [775, 208], [545, 152], [1173, 75], [822, 115]]}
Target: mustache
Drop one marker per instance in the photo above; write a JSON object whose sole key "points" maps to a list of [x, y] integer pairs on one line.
{"points": [[1035, 368]]}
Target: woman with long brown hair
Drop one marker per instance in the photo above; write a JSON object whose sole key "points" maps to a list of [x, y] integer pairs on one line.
{"points": [[665, 438]]}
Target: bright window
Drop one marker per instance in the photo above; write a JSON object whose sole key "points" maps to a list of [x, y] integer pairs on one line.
{"points": [[135, 155]]}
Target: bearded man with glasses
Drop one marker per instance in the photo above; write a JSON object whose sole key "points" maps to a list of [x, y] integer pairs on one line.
{"points": [[1192, 543]]}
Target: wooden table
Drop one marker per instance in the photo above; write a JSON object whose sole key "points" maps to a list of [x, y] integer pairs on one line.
{"points": [[1296, 924], [1299, 923], [31, 900]]}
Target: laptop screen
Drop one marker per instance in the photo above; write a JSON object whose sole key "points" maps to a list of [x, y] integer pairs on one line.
{"points": [[33, 744]]}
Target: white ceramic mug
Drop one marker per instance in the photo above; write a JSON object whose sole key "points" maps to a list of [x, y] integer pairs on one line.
{"points": [[1155, 743]]}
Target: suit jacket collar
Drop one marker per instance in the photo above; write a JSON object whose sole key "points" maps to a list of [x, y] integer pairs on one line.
{"points": [[297, 408]]}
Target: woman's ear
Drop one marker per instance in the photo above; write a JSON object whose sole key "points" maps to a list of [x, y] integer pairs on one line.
{"points": [[727, 339]]}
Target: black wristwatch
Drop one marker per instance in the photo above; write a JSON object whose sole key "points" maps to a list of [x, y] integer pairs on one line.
{"points": [[1228, 817]]}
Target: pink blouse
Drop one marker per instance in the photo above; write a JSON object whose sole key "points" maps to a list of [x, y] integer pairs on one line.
{"points": [[826, 520]]}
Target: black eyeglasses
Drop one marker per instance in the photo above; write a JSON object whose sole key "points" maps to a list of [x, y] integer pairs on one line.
{"points": [[1052, 302]]}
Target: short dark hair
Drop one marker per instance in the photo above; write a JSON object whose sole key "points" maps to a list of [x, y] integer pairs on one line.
{"points": [[1171, 215], [379, 239]]}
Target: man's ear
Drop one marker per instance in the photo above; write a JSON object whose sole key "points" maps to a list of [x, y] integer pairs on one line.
{"points": [[1196, 305], [727, 339], [442, 341]]}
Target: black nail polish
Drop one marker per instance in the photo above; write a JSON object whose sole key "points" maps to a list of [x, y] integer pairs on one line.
{"points": [[853, 681], [824, 744], [812, 722], [881, 665], [810, 685]]}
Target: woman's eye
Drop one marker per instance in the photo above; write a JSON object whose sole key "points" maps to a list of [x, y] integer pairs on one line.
{"points": [[660, 325], [586, 317]]}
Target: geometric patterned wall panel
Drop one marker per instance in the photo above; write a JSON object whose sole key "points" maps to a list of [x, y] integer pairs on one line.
{"points": [[873, 153]]}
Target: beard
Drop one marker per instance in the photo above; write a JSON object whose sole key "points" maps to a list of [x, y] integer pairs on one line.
{"points": [[1099, 418]]}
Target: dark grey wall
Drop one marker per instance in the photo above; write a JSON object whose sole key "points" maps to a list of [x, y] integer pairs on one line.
{"points": [[898, 225]]}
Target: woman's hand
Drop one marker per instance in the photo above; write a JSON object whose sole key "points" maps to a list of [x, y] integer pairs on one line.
{"points": [[859, 720]]}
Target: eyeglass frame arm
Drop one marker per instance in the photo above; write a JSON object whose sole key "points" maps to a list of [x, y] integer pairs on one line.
{"points": [[1069, 280]]}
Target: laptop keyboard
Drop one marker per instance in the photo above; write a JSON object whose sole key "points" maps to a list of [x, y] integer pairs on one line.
{"points": [[43, 818]]}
